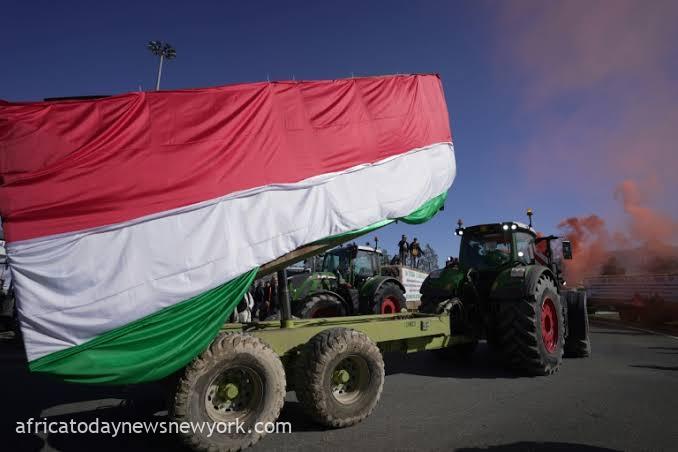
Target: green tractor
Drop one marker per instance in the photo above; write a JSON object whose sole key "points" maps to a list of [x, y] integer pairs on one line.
{"points": [[508, 288], [350, 282]]}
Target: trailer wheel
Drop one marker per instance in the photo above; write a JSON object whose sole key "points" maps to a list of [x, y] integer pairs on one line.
{"points": [[578, 343], [531, 331], [322, 305], [237, 377], [339, 377], [388, 299]]}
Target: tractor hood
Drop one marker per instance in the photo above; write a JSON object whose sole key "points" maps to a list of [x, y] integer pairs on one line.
{"points": [[444, 282], [301, 285]]}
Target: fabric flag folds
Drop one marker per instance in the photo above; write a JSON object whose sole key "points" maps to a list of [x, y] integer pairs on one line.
{"points": [[135, 223]]}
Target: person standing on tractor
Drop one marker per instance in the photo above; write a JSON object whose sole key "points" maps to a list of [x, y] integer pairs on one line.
{"points": [[403, 249], [415, 253]]}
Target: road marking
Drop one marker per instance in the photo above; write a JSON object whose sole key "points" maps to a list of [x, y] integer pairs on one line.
{"points": [[612, 323]]}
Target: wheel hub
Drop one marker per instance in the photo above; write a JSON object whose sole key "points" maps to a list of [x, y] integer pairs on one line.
{"points": [[228, 391], [549, 325], [350, 379], [341, 376], [235, 393], [389, 305]]}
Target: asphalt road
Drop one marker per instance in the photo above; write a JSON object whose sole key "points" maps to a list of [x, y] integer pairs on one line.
{"points": [[623, 398]]}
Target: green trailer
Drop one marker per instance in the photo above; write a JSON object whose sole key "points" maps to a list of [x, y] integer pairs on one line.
{"points": [[334, 365]]}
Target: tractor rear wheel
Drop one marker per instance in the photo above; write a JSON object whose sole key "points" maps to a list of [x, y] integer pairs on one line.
{"points": [[388, 299], [239, 378], [531, 331], [322, 305], [577, 344], [339, 377]]}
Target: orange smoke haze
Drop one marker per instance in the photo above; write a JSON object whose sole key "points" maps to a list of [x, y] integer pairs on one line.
{"points": [[649, 226], [600, 105], [589, 239], [651, 232]]}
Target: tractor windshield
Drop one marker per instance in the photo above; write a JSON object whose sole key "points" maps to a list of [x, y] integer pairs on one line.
{"points": [[485, 252], [337, 261]]}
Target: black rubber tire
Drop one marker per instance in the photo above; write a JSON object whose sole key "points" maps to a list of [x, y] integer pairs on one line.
{"points": [[578, 342], [388, 289], [227, 351], [462, 353], [314, 372], [519, 331], [321, 301]]}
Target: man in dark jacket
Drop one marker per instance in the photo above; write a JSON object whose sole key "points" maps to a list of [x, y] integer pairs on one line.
{"points": [[415, 252], [258, 298], [403, 249]]}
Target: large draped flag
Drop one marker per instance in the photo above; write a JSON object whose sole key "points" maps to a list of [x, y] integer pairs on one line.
{"points": [[135, 223]]}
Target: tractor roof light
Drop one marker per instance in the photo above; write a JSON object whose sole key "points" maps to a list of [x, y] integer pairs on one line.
{"points": [[505, 227], [459, 231], [514, 227]]}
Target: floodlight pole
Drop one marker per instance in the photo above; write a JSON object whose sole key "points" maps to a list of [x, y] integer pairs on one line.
{"points": [[157, 85]]}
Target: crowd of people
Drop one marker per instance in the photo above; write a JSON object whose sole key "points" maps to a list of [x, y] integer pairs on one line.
{"points": [[259, 303]]}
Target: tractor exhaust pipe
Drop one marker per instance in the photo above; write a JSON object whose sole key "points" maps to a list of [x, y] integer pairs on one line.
{"points": [[284, 300]]}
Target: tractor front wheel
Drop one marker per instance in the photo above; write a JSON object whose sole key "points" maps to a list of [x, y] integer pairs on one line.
{"points": [[322, 305], [388, 299], [531, 331]]}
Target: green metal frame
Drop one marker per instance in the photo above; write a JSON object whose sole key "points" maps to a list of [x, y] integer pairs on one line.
{"points": [[408, 333]]}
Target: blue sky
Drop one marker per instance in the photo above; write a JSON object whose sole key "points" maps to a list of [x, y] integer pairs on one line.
{"points": [[540, 94]]}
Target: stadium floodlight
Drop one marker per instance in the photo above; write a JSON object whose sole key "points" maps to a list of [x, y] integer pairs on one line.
{"points": [[163, 50]]}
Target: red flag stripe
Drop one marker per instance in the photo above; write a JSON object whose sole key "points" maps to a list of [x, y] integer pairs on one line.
{"points": [[74, 165]]}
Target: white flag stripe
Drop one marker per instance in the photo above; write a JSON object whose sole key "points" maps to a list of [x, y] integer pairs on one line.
{"points": [[74, 287]]}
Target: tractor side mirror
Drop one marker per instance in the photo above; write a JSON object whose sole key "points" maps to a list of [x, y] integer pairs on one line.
{"points": [[353, 252], [567, 249]]}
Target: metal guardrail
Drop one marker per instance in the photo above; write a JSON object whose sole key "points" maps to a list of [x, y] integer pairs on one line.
{"points": [[626, 287]]}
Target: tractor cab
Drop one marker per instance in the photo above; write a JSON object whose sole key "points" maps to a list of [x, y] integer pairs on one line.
{"points": [[497, 261], [353, 265], [491, 248]]}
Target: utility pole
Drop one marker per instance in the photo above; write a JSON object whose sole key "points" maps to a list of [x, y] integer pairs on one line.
{"points": [[163, 50]]}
